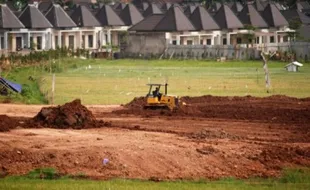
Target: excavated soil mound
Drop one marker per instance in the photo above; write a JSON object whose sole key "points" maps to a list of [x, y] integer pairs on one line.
{"points": [[275, 109], [70, 115], [136, 103], [272, 156], [7, 123]]}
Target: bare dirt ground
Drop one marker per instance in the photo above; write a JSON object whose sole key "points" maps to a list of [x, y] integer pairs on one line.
{"points": [[208, 137]]}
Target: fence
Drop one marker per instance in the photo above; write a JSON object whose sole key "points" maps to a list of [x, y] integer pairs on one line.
{"points": [[144, 44], [148, 46], [211, 52]]}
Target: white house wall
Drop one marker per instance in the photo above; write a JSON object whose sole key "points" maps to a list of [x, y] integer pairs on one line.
{"points": [[109, 35]]}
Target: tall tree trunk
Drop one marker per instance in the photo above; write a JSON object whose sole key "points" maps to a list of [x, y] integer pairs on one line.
{"points": [[265, 57]]}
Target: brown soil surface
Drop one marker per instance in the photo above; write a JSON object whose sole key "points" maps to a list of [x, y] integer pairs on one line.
{"points": [[7, 123], [273, 109], [208, 137], [70, 115]]}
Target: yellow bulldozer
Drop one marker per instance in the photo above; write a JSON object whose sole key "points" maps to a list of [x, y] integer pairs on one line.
{"points": [[156, 100]]}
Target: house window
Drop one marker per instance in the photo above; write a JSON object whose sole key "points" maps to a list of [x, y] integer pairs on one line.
{"points": [[71, 42], [285, 38], [63, 41], [56, 42], [201, 42], [224, 41], [239, 40], [31, 43], [174, 42], [19, 43], [208, 41], [189, 42], [2, 43], [39, 42], [257, 40], [106, 39], [271, 39], [90, 41]]}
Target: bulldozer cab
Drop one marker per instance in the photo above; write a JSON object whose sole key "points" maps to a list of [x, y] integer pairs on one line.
{"points": [[154, 90], [158, 100]]}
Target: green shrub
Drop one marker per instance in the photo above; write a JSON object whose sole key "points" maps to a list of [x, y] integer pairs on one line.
{"points": [[296, 176], [43, 173]]}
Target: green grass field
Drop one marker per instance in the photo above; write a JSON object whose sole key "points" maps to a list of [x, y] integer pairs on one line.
{"points": [[119, 81], [291, 180]]}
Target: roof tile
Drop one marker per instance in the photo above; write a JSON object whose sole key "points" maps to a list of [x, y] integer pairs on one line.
{"points": [[108, 17], [8, 19], [31, 17], [59, 18], [227, 19]]}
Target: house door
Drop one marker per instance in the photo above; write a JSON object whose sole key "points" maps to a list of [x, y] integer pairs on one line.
{"points": [[18, 43], [39, 42], [71, 42], [2, 43]]}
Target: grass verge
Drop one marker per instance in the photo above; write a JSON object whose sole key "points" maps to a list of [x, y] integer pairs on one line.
{"points": [[291, 179]]}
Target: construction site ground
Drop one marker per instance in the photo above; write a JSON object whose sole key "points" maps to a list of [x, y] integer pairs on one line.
{"points": [[208, 137]]}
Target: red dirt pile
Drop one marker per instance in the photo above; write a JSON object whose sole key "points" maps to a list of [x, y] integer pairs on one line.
{"points": [[275, 109], [7, 123], [136, 103], [70, 115], [274, 155]]}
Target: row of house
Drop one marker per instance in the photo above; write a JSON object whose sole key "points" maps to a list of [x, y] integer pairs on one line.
{"points": [[224, 25], [47, 25]]}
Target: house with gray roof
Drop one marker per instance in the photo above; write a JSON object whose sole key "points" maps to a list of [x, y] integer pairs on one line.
{"points": [[63, 33], [8, 24], [229, 24], [273, 16], [111, 24], [174, 20], [174, 27], [205, 23], [256, 27], [89, 27], [251, 17], [277, 23], [38, 30]]}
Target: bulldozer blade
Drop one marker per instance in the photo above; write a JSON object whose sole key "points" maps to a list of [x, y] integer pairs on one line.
{"points": [[157, 107]]}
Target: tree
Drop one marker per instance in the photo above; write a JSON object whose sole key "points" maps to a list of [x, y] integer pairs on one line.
{"points": [[250, 35], [294, 24], [266, 56]]}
